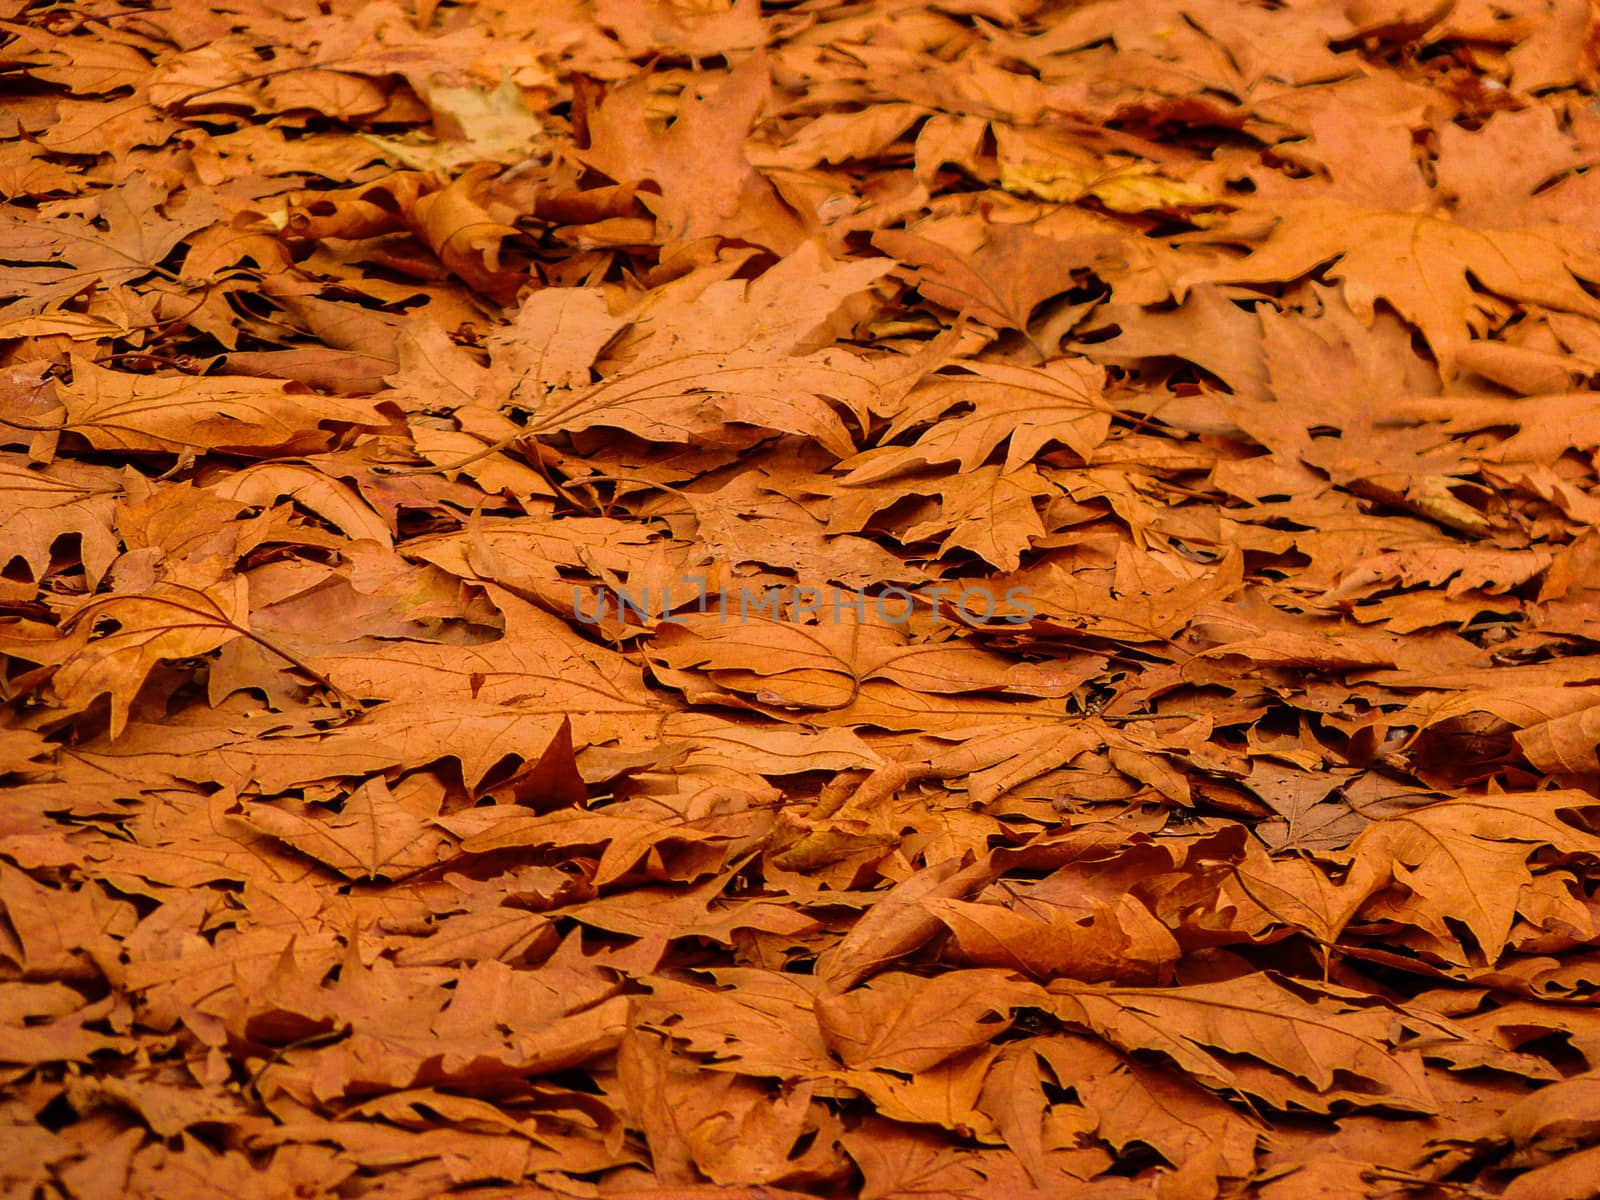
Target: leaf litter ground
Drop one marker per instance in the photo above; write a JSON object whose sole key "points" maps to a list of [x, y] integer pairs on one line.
{"points": [[686, 598]]}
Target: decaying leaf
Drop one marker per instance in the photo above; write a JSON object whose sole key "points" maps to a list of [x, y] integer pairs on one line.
{"points": [[689, 599]]}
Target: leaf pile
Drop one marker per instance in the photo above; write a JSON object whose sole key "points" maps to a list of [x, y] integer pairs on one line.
{"points": [[694, 598]]}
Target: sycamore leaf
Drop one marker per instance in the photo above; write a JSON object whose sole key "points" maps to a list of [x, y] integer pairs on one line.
{"points": [[1389, 238], [1029, 408], [1130, 1101], [37, 507], [689, 598], [1002, 283], [1044, 940], [706, 182], [1326, 1051], [112, 643], [741, 367], [1420, 263], [899, 1022], [1466, 859], [185, 415], [989, 511], [375, 832], [900, 922]]}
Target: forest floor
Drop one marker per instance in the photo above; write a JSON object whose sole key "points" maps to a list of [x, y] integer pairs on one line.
{"points": [[682, 598]]}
